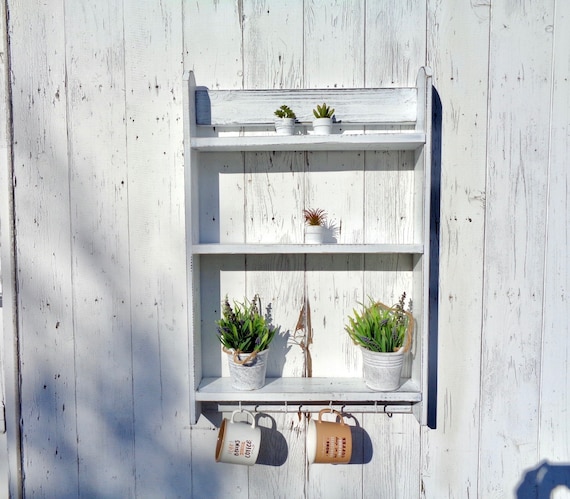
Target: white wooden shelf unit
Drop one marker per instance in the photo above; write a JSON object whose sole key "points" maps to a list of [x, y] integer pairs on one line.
{"points": [[224, 128]]}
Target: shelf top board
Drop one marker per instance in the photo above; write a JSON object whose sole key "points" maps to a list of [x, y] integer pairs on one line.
{"points": [[355, 105], [306, 390], [343, 142]]}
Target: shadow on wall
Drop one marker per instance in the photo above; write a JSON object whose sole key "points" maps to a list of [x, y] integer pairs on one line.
{"points": [[540, 482], [435, 202]]}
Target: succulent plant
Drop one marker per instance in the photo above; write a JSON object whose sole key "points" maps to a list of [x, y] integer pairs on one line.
{"points": [[323, 111], [314, 216], [285, 112]]}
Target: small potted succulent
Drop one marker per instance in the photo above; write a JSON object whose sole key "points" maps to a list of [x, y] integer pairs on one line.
{"points": [[285, 120], [384, 335], [315, 228], [245, 335], [322, 124]]}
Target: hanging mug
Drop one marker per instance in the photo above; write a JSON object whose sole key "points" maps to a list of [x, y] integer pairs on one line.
{"points": [[329, 441], [238, 441]]}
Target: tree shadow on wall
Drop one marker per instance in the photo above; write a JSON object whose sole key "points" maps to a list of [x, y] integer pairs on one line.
{"points": [[540, 482]]}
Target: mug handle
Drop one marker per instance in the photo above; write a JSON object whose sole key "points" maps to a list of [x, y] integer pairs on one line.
{"points": [[247, 412], [323, 411]]}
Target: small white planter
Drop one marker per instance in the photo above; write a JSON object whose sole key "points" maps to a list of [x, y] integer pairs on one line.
{"points": [[382, 371], [251, 374], [314, 234], [285, 126], [322, 126]]}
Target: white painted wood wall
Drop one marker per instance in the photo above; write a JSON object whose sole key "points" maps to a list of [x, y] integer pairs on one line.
{"points": [[96, 152]]}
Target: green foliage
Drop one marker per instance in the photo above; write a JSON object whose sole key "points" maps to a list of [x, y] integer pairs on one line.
{"points": [[315, 216], [242, 327], [323, 111], [380, 328], [285, 112]]}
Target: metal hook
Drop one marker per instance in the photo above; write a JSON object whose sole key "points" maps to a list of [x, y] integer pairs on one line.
{"points": [[376, 407], [330, 406], [389, 414], [240, 409], [286, 408]]}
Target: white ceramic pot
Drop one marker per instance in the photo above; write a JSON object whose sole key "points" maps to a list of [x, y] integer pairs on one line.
{"points": [[314, 234], [285, 126], [251, 374], [382, 371], [322, 126]]}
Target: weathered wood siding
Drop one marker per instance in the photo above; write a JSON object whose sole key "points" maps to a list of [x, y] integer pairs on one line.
{"points": [[95, 155]]}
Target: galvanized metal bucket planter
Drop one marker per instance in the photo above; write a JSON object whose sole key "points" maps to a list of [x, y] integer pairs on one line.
{"points": [[247, 370], [382, 371]]}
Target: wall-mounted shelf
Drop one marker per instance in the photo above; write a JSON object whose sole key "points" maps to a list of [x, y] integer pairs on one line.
{"points": [[385, 141], [275, 249], [246, 188], [324, 390]]}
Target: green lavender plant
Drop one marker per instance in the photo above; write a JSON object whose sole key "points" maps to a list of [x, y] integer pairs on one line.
{"points": [[243, 328], [379, 328]]}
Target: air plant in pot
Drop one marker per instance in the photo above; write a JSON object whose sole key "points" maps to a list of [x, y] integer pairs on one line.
{"points": [[384, 335], [322, 124], [315, 225], [245, 334], [285, 120]]}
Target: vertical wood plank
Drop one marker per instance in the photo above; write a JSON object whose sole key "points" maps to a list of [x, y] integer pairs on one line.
{"points": [[334, 43], [100, 267], [213, 50], [272, 54], [213, 42], [211, 479], [459, 72], [10, 476], [395, 47], [272, 36], [335, 183], [395, 42], [334, 57], [153, 81], [43, 224], [554, 442], [393, 458], [514, 243]]}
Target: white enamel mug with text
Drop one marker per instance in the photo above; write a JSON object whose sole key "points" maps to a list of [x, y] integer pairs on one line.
{"points": [[238, 441]]}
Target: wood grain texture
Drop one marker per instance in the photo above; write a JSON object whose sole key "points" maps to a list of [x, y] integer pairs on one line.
{"points": [[515, 236], [458, 73], [45, 286], [158, 315], [274, 192], [100, 267], [96, 99], [10, 477], [395, 42], [554, 446]]}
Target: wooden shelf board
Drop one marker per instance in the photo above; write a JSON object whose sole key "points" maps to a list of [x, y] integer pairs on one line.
{"points": [[400, 141], [305, 390], [270, 249]]}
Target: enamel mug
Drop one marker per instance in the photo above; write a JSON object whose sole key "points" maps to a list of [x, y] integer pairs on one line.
{"points": [[238, 441]]}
